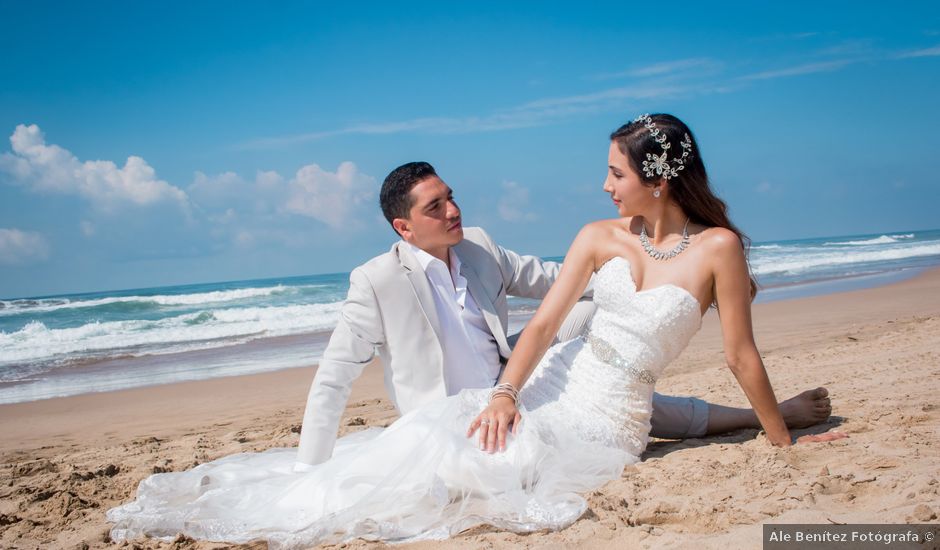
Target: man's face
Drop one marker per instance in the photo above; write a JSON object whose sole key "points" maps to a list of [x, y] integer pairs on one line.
{"points": [[434, 219]]}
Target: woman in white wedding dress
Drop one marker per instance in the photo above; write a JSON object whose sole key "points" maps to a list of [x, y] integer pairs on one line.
{"points": [[581, 413]]}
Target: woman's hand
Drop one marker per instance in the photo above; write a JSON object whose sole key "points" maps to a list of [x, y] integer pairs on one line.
{"points": [[809, 438], [494, 422], [821, 438]]}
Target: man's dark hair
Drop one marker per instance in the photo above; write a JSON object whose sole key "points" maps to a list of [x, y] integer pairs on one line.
{"points": [[395, 197]]}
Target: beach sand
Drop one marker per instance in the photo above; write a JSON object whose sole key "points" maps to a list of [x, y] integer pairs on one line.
{"points": [[64, 462]]}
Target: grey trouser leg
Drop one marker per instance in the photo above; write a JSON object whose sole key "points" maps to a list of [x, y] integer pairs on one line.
{"points": [[673, 417], [678, 417]]}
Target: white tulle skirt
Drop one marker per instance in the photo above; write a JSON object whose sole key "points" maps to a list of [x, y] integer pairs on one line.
{"points": [[420, 478]]}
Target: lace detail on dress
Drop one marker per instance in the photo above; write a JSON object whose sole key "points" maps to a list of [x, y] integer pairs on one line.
{"points": [[585, 410]]}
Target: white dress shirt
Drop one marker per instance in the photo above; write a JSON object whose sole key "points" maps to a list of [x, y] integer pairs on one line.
{"points": [[471, 355]]}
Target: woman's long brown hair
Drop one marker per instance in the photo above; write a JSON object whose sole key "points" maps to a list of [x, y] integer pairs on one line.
{"points": [[690, 189]]}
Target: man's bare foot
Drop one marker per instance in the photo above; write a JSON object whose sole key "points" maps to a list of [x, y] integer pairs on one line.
{"points": [[806, 409]]}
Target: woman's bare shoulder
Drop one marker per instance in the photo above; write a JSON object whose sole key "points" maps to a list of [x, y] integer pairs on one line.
{"points": [[599, 239], [721, 241], [607, 227]]}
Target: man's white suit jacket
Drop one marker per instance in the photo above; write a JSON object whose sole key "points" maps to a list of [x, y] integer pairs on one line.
{"points": [[390, 311]]}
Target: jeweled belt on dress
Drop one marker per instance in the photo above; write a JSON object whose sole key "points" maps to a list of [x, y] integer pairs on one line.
{"points": [[606, 353]]}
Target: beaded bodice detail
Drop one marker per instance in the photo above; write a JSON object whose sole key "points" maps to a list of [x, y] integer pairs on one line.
{"points": [[601, 384], [649, 327]]}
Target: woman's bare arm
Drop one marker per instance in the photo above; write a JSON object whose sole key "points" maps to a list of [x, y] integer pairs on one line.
{"points": [[733, 295], [539, 332]]}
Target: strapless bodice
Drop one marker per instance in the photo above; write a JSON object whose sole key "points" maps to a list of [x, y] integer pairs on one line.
{"points": [[647, 328], [600, 386]]}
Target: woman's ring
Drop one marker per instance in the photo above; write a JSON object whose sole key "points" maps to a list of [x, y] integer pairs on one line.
{"points": [[485, 422]]}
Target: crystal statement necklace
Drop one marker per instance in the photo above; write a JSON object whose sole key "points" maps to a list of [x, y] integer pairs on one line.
{"points": [[657, 254]]}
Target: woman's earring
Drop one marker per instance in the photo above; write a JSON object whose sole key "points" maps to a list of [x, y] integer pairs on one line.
{"points": [[656, 193]]}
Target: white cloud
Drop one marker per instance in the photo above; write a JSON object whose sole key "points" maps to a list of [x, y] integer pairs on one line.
{"points": [[638, 91], [88, 228], [333, 198], [769, 189], [219, 194], [432, 125], [49, 168], [808, 68], [22, 247], [534, 113], [927, 52], [257, 212], [862, 46], [513, 205], [263, 237], [245, 239], [268, 180], [680, 78], [219, 185], [227, 217], [663, 69], [788, 36]]}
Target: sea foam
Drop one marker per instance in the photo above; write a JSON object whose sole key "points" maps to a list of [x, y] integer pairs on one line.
{"points": [[200, 330], [43, 305], [884, 239], [810, 259]]}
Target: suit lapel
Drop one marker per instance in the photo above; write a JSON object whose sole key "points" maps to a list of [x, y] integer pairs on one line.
{"points": [[485, 303], [422, 288]]}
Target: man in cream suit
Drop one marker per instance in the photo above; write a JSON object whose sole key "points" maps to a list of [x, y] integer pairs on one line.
{"points": [[434, 310]]}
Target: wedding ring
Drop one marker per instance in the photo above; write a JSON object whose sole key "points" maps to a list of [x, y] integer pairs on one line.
{"points": [[485, 422]]}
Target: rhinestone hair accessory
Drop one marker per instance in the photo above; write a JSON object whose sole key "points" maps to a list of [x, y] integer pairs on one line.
{"points": [[659, 165]]}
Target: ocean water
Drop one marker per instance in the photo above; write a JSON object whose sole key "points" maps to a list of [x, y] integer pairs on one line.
{"points": [[66, 345]]}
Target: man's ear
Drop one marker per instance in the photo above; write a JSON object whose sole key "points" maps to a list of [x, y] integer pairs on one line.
{"points": [[402, 226]]}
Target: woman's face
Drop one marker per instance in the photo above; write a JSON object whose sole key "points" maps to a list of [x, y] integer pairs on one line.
{"points": [[626, 189]]}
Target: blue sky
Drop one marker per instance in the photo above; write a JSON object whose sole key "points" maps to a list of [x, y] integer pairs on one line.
{"points": [[170, 143]]}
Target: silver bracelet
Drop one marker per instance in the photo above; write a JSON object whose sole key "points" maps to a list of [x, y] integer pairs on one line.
{"points": [[506, 389]]}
